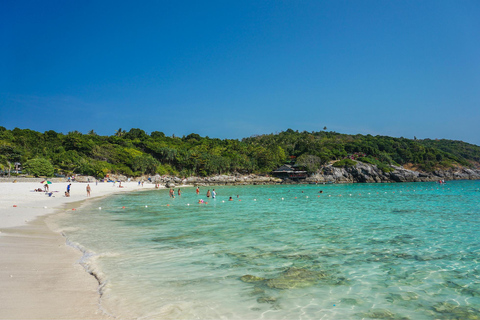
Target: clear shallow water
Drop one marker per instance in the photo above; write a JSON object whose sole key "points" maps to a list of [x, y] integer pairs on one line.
{"points": [[357, 251]]}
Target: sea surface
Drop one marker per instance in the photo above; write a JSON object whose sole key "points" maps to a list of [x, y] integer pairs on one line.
{"points": [[354, 251]]}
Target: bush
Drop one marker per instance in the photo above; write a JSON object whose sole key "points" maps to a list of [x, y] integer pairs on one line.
{"points": [[166, 169], [123, 169], [39, 167], [367, 160], [385, 168], [344, 163], [446, 164]]}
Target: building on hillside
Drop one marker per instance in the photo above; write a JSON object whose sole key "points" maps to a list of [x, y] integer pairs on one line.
{"points": [[288, 171]]}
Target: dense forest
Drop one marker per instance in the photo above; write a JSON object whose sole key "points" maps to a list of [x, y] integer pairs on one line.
{"points": [[135, 153]]}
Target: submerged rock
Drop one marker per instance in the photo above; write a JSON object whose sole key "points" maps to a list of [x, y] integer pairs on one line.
{"points": [[404, 296], [382, 314], [457, 312], [267, 300], [257, 291], [295, 278], [445, 307], [351, 301], [249, 278]]}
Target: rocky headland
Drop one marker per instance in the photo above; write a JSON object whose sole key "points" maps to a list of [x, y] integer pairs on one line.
{"points": [[360, 173], [363, 172]]}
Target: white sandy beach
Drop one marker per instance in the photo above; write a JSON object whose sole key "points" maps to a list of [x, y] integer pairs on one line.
{"points": [[40, 275]]}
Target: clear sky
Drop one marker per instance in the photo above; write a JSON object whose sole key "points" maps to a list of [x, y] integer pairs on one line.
{"points": [[232, 69]]}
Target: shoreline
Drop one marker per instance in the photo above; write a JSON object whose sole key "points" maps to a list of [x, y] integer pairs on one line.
{"points": [[42, 277]]}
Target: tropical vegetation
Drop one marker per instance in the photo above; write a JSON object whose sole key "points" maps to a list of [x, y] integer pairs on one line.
{"points": [[136, 153]]}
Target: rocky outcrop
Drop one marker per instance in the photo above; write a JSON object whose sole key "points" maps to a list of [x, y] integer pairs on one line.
{"points": [[171, 181], [360, 173], [363, 172]]}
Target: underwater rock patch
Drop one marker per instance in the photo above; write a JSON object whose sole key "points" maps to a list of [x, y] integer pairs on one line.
{"points": [[295, 278], [267, 300], [462, 289], [257, 291], [457, 312], [249, 278], [382, 314], [404, 296], [351, 301], [445, 307]]}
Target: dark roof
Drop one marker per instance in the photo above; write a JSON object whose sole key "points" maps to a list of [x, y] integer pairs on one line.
{"points": [[284, 168]]}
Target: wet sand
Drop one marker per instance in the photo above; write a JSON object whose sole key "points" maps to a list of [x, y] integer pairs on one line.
{"points": [[41, 277]]}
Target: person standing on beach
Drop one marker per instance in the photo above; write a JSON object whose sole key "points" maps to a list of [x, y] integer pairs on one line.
{"points": [[68, 189], [88, 190]]}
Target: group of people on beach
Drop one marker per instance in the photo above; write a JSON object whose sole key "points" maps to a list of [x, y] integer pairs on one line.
{"points": [[69, 187]]}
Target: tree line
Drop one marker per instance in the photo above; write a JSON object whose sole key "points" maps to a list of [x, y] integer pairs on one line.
{"points": [[135, 153]]}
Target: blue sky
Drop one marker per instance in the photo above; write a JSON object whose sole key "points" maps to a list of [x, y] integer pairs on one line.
{"points": [[232, 69]]}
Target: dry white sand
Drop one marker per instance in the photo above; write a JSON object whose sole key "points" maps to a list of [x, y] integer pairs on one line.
{"points": [[40, 276]]}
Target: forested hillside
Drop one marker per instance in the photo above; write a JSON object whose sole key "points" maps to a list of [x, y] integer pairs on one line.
{"points": [[135, 152]]}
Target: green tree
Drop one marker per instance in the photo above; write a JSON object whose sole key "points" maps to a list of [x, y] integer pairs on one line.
{"points": [[5, 165], [136, 133], [145, 163], [157, 134], [39, 167], [309, 162]]}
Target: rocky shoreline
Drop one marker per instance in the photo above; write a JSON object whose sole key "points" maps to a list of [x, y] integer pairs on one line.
{"points": [[360, 173], [363, 172]]}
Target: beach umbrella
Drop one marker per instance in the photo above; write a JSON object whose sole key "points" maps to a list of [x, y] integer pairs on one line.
{"points": [[46, 181]]}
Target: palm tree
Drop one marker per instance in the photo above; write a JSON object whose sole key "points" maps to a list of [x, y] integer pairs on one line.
{"points": [[4, 164], [119, 132]]}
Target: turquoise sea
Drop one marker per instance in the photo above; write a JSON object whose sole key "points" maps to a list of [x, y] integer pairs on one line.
{"points": [[356, 251]]}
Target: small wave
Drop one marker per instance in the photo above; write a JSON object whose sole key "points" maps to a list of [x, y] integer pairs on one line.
{"points": [[88, 262]]}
